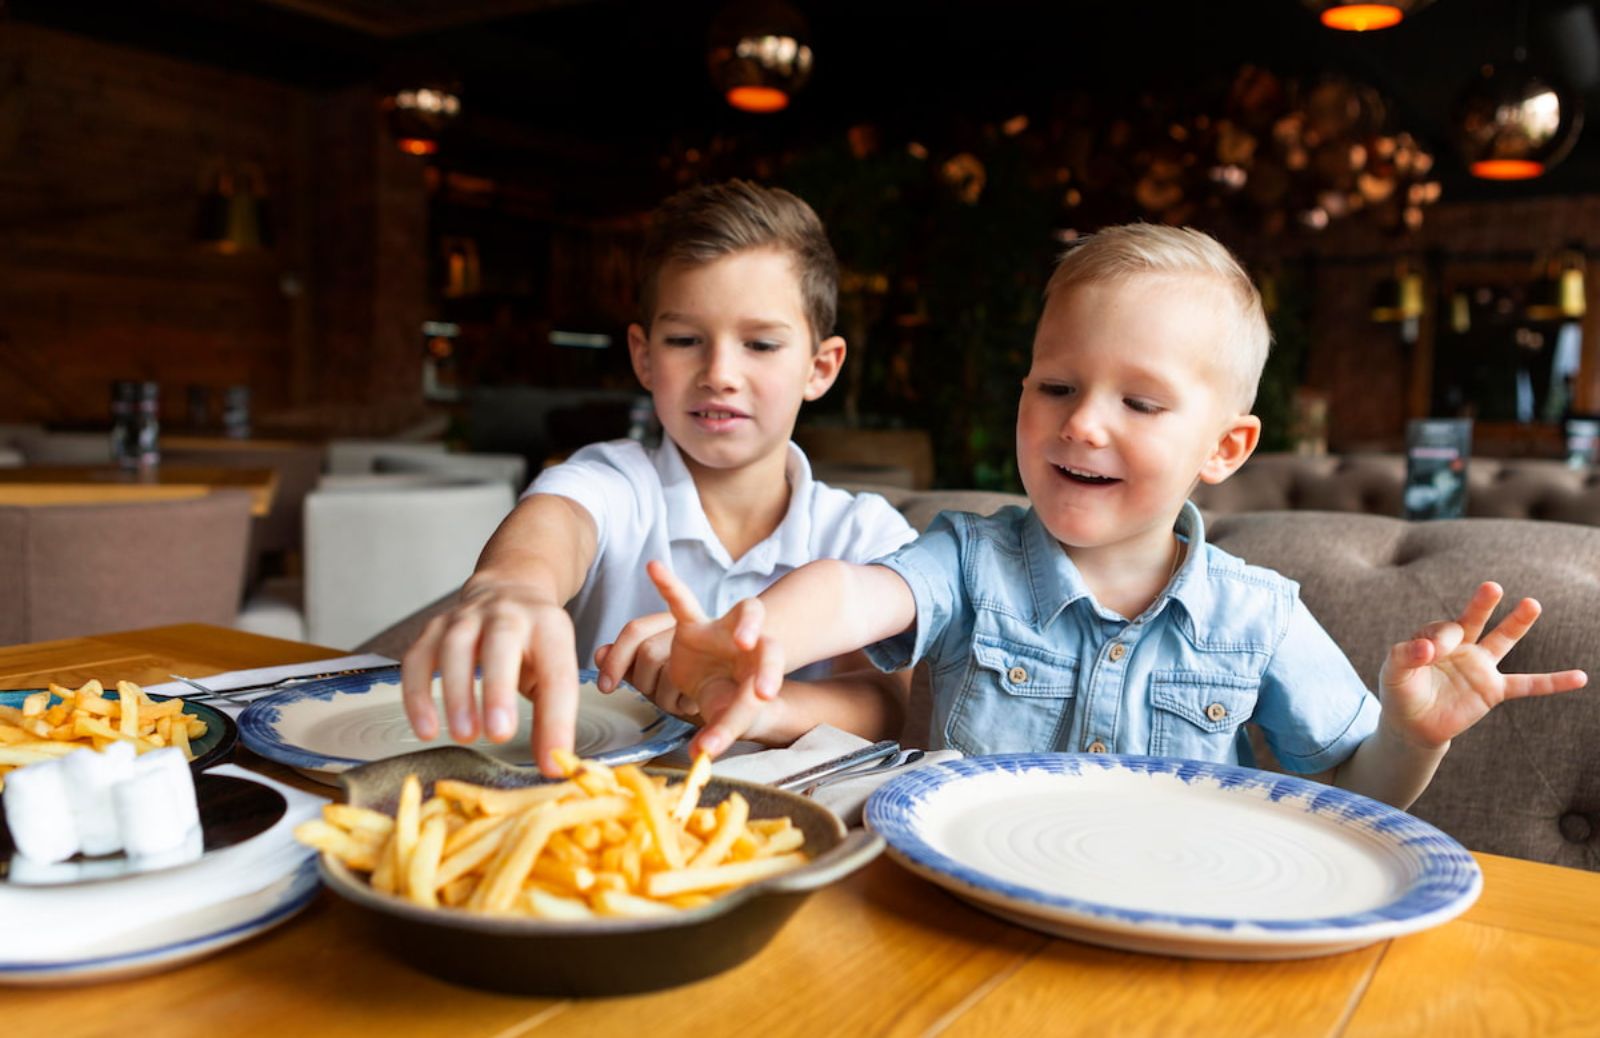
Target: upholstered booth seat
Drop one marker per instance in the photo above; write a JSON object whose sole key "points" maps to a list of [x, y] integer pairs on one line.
{"points": [[1525, 781], [1503, 488], [84, 569]]}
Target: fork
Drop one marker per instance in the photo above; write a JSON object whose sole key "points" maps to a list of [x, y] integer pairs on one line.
{"points": [[210, 694], [891, 763]]}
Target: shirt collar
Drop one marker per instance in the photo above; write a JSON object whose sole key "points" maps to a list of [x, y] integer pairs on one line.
{"points": [[1055, 582], [789, 545]]}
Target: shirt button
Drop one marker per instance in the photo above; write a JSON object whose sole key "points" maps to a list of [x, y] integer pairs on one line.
{"points": [[1017, 675], [1216, 711], [1118, 650], [1097, 747]]}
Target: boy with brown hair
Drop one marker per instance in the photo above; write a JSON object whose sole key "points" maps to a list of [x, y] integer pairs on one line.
{"points": [[738, 301]]}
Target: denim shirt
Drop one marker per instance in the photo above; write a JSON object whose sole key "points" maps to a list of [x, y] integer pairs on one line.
{"points": [[1023, 658]]}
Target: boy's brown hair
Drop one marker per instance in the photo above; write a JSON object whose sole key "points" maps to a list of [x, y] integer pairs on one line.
{"points": [[708, 222]]}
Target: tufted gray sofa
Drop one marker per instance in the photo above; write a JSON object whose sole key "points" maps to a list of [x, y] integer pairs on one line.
{"points": [[1524, 782], [1499, 488]]}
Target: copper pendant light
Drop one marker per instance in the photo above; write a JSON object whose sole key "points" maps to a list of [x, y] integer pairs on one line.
{"points": [[759, 54], [1514, 124], [1356, 16], [419, 115]]}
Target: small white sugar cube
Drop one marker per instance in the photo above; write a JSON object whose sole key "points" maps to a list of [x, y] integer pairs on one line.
{"points": [[155, 806], [89, 778], [39, 813]]}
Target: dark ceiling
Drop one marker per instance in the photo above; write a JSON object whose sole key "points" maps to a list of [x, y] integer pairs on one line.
{"points": [[624, 76]]}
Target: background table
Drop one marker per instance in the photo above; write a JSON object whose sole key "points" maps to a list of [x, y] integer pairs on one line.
{"points": [[85, 484], [880, 953]]}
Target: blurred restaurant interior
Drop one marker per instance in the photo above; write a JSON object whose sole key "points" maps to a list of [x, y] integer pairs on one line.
{"points": [[347, 221]]}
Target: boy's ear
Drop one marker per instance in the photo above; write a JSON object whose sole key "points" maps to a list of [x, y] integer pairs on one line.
{"points": [[1237, 443], [639, 353], [825, 365]]}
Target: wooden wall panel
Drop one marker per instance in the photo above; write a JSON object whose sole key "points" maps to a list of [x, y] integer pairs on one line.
{"points": [[102, 164]]}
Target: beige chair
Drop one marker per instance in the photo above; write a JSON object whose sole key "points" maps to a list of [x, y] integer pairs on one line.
{"points": [[510, 468], [85, 569], [298, 465], [376, 553], [348, 457]]}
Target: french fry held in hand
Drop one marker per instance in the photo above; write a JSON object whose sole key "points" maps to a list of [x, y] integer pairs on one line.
{"points": [[605, 842], [54, 722]]}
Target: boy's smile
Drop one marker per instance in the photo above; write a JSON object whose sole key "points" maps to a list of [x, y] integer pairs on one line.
{"points": [[1127, 404], [729, 360]]}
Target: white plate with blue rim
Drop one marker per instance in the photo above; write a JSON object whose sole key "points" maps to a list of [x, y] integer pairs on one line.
{"points": [[176, 939], [1173, 857], [324, 727]]}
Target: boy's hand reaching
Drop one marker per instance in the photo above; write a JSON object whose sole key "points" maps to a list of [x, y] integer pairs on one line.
{"points": [[1443, 681], [521, 645], [724, 666]]}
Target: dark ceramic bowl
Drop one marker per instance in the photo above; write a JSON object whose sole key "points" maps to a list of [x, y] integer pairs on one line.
{"points": [[601, 956]]}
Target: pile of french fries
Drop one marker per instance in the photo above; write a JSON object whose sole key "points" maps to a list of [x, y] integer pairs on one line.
{"points": [[41, 730], [604, 842]]}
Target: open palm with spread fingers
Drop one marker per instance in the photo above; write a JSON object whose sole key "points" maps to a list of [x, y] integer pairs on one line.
{"points": [[724, 666], [1442, 681]]}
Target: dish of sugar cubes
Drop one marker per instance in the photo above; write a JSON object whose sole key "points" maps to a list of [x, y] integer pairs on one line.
{"points": [[99, 785], [103, 814]]}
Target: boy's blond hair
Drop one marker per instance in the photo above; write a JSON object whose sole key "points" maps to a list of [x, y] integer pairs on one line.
{"points": [[1117, 254], [706, 223]]}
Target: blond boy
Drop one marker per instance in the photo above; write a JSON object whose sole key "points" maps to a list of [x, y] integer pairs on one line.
{"points": [[738, 300], [1099, 620]]}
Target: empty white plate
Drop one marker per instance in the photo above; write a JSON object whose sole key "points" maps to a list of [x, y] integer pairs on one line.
{"points": [[1171, 856]]}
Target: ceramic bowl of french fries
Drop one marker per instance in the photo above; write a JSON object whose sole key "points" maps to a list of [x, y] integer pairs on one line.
{"points": [[611, 881]]}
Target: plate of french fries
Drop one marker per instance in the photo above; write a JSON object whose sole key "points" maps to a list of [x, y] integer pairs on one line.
{"points": [[611, 880], [325, 727], [40, 724]]}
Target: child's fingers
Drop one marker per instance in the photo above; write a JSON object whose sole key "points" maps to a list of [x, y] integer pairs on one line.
{"points": [[1406, 658], [554, 693], [458, 661], [500, 652], [747, 617], [648, 671], [416, 680], [732, 720], [680, 600], [1475, 617], [1509, 631], [1520, 685], [621, 654], [769, 669]]}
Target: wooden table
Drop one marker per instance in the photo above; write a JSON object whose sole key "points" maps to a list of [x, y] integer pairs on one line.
{"points": [[96, 484], [880, 953]]}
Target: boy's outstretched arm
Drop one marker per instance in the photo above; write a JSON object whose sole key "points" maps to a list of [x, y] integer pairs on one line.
{"points": [[510, 625], [733, 667], [1435, 686]]}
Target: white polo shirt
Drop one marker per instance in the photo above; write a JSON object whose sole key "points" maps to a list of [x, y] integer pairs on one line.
{"points": [[645, 506]]}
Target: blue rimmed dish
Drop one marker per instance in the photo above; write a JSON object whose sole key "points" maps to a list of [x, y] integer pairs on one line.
{"points": [[210, 748], [325, 727], [1171, 856]]}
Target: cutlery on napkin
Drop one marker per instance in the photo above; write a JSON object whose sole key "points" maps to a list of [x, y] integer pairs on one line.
{"points": [[844, 797]]}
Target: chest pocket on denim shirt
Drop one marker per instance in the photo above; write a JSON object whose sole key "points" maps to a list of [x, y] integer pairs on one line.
{"points": [[1012, 701], [1197, 716]]}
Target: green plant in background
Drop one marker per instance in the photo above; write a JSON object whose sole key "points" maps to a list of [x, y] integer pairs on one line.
{"points": [[944, 264], [1288, 301]]}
